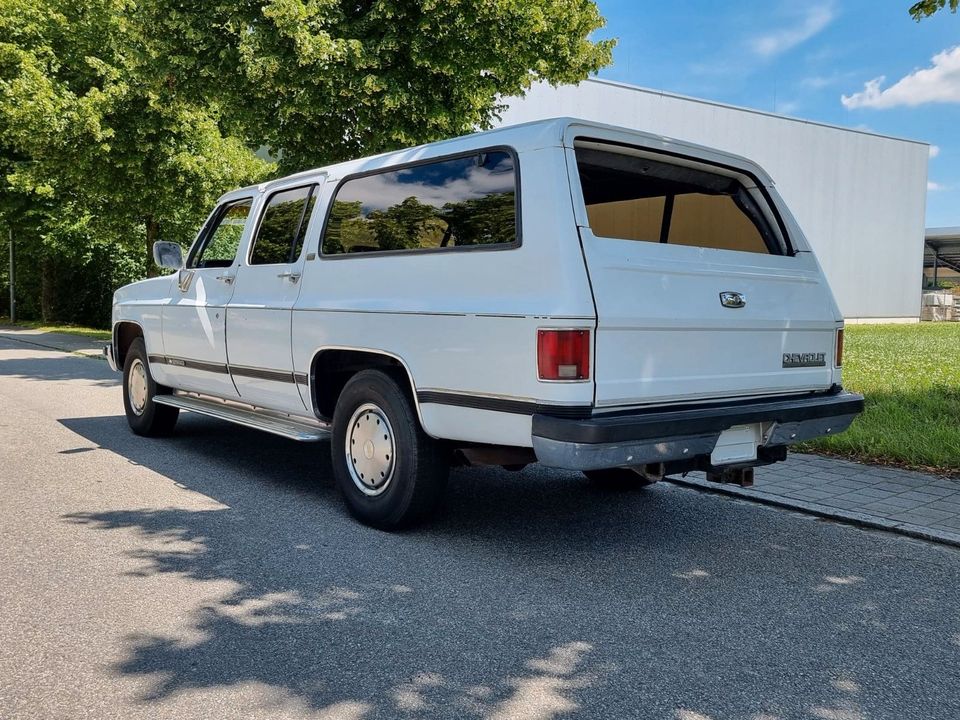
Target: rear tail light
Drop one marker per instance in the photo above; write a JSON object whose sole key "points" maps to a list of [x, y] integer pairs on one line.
{"points": [[839, 360], [563, 354]]}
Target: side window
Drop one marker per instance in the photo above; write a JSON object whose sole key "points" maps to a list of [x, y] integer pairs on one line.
{"points": [[466, 201], [282, 227], [634, 198], [218, 246]]}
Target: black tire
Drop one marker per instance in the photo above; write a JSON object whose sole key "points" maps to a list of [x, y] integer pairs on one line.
{"points": [[413, 467], [617, 479], [144, 416]]}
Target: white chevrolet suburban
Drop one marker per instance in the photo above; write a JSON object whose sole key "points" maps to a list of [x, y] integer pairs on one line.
{"points": [[562, 292]]}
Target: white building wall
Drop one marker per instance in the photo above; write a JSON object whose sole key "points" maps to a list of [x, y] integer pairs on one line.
{"points": [[859, 197]]}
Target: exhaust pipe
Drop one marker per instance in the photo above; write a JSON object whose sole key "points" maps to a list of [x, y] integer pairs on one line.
{"points": [[651, 472]]}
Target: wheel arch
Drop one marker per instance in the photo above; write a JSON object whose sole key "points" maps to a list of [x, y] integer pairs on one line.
{"points": [[332, 366], [124, 333]]}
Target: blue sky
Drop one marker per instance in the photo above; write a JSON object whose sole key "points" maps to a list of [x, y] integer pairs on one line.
{"points": [[819, 60]]}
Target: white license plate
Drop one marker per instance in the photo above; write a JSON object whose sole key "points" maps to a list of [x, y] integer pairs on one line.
{"points": [[738, 444]]}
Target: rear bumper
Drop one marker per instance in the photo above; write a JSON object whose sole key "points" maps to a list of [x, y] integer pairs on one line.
{"points": [[664, 435]]}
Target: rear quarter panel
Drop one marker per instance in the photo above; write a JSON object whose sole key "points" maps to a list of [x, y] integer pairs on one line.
{"points": [[461, 321]]}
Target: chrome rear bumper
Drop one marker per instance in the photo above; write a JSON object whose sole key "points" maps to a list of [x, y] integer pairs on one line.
{"points": [[689, 435]]}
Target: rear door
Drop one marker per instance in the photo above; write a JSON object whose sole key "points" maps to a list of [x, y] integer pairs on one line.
{"points": [[267, 286], [700, 294]]}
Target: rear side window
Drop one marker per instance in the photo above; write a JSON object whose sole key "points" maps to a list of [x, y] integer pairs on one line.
{"points": [[282, 227], [461, 202], [635, 198]]}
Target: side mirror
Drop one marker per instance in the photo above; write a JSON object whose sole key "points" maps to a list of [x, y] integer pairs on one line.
{"points": [[168, 255]]}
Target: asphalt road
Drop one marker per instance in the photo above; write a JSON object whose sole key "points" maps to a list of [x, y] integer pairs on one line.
{"points": [[216, 575]]}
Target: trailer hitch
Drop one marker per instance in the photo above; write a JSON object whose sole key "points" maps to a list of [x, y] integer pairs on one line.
{"points": [[742, 476]]}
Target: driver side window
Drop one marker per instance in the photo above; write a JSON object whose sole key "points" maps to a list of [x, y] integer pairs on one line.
{"points": [[218, 247]]}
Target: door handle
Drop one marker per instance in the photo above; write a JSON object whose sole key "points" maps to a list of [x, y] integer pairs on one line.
{"points": [[228, 279], [290, 275]]}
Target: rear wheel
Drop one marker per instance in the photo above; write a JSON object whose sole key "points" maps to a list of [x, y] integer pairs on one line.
{"points": [[391, 473], [144, 416], [618, 479]]}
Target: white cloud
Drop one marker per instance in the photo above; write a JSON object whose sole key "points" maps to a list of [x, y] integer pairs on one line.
{"points": [[939, 83], [815, 19], [934, 151], [933, 186]]}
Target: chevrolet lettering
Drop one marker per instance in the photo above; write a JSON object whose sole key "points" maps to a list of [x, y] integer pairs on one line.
{"points": [[804, 360], [542, 293]]}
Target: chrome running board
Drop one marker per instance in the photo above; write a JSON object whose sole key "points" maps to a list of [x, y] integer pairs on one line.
{"points": [[298, 429]]}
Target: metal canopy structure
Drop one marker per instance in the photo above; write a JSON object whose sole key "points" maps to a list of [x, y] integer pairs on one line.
{"points": [[942, 250]]}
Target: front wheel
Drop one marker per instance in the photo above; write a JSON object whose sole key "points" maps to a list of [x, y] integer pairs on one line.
{"points": [[144, 416], [391, 473]]}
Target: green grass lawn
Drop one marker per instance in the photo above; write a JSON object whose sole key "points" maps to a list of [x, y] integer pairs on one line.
{"points": [[910, 377], [86, 332]]}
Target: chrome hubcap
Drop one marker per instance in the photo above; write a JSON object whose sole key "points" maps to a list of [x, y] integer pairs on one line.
{"points": [[370, 449], [137, 386]]}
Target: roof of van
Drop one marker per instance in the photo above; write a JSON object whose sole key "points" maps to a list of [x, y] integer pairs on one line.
{"points": [[522, 137]]}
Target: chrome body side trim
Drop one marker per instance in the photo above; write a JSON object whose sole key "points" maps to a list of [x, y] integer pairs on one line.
{"points": [[192, 364], [503, 404]]}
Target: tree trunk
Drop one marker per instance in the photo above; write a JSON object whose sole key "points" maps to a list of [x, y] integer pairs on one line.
{"points": [[47, 289], [153, 232]]}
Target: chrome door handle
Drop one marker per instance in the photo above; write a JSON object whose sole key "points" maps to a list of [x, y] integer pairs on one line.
{"points": [[292, 276], [228, 279]]}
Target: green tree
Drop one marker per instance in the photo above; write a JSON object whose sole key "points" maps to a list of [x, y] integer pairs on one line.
{"points": [[324, 80], [92, 154], [926, 8], [122, 120]]}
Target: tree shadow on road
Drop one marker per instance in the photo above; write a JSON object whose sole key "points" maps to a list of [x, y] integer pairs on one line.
{"points": [[532, 597], [91, 371]]}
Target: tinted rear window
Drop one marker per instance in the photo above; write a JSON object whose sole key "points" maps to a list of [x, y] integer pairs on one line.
{"points": [[283, 225], [631, 197], [467, 201]]}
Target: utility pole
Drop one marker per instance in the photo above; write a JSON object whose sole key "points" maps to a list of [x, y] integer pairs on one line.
{"points": [[13, 302]]}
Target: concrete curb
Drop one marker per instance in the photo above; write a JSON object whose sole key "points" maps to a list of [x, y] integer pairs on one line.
{"points": [[849, 517]]}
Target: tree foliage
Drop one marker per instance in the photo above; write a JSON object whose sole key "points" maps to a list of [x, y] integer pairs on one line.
{"points": [[122, 120], [326, 80], [926, 8], [95, 162]]}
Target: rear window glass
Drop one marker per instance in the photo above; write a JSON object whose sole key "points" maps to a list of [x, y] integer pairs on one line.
{"points": [[634, 198], [467, 201], [284, 223]]}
